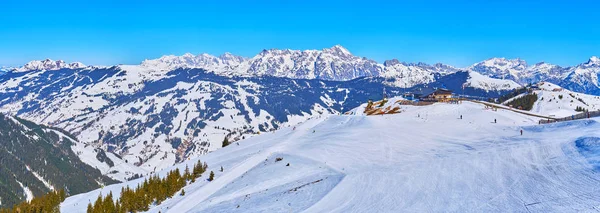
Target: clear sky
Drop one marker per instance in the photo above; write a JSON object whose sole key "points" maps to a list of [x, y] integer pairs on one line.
{"points": [[458, 32]]}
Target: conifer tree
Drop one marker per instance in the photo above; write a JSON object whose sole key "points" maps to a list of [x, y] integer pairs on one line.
{"points": [[108, 204], [98, 205], [211, 177], [118, 207], [225, 142], [90, 208], [186, 174]]}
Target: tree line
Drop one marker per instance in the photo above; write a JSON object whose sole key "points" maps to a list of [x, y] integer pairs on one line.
{"points": [[524, 102], [49, 202], [154, 190]]}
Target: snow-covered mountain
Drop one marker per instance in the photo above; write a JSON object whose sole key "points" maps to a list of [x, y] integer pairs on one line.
{"points": [[219, 64], [4, 70], [583, 77], [335, 63], [152, 118], [423, 159], [169, 109], [478, 80], [49, 64], [502, 68], [580, 78]]}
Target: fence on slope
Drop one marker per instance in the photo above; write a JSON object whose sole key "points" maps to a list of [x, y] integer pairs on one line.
{"points": [[583, 115]]}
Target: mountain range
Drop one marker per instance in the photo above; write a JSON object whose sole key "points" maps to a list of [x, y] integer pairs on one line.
{"points": [[149, 116], [338, 64]]}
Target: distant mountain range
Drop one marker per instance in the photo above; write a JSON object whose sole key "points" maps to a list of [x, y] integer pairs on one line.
{"points": [[149, 116], [338, 64]]}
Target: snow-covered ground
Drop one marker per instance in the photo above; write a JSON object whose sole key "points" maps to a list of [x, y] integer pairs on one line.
{"points": [[551, 104], [425, 159]]}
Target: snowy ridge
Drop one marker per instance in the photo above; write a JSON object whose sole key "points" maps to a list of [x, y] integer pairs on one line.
{"points": [[478, 80], [582, 78], [338, 64], [224, 63], [49, 64], [345, 163], [409, 75], [335, 63]]}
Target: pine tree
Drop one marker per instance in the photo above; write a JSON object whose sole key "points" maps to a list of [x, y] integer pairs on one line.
{"points": [[108, 204], [98, 205], [211, 177], [90, 208], [225, 142], [186, 174], [118, 207]]}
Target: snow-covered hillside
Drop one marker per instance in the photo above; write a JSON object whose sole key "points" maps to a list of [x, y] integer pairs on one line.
{"points": [[478, 80], [425, 159], [152, 117], [555, 101]]}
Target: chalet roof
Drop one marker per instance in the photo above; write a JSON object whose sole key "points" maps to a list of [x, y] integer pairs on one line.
{"points": [[438, 91], [443, 92]]}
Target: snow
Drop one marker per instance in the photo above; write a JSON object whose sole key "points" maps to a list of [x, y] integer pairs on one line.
{"points": [[594, 59], [39, 177], [550, 104], [48, 64], [26, 191], [480, 81], [424, 159]]}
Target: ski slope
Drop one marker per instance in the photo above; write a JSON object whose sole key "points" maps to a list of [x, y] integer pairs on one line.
{"points": [[424, 159]]}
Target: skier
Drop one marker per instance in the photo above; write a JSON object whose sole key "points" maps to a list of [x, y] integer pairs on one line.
{"points": [[521, 132], [495, 121], [461, 117]]}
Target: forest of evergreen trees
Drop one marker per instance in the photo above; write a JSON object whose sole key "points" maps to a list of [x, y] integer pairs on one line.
{"points": [[49, 203], [512, 94], [153, 190], [524, 102], [26, 147]]}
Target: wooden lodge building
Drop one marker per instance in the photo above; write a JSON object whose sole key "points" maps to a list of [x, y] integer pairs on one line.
{"points": [[439, 95]]}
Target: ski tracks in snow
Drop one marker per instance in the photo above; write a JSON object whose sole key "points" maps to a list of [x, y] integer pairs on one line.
{"points": [[199, 196]]}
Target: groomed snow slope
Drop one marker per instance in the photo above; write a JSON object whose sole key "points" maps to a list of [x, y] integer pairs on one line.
{"points": [[424, 159]]}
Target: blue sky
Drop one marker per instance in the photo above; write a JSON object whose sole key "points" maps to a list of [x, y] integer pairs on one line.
{"points": [[458, 33]]}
